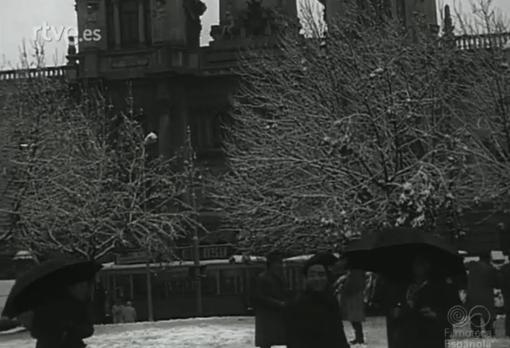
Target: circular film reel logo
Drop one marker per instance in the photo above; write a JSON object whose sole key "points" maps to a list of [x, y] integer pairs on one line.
{"points": [[481, 314], [477, 316], [458, 316]]}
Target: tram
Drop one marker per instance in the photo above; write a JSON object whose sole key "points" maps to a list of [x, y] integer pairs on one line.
{"points": [[227, 286]]}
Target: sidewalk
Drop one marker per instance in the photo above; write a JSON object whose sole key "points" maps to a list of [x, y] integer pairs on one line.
{"points": [[233, 332]]}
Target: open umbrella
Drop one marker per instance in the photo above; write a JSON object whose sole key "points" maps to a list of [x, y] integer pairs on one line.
{"points": [[46, 281], [391, 252]]}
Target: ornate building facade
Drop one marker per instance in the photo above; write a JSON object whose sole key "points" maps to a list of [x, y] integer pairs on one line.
{"points": [[150, 49]]}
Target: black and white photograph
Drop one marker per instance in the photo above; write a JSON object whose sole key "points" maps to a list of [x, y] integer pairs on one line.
{"points": [[254, 173]]}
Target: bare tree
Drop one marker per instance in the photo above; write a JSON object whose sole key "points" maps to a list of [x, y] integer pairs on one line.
{"points": [[486, 109], [364, 128], [87, 184]]}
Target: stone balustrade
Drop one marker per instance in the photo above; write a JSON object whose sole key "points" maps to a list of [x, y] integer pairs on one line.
{"points": [[48, 72]]}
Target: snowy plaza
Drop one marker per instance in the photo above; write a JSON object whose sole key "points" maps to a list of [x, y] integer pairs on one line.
{"points": [[234, 332]]}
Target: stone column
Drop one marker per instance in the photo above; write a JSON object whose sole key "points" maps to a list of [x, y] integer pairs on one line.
{"points": [[141, 22], [116, 23]]}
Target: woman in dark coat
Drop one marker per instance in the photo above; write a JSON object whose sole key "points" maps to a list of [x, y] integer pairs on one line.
{"points": [[421, 318], [66, 321], [269, 303], [313, 318]]}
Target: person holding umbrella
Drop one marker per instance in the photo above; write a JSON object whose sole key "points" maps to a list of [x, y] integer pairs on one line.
{"points": [[416, 264], [422, 316], [57, 293], [64, 322]]}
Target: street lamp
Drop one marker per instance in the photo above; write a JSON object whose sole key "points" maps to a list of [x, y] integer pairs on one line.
{"points": [[193, 203], [149, 139]]}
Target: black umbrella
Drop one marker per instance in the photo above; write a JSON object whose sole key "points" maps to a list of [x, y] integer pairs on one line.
{"points": [[46, 281], [391, 252]]}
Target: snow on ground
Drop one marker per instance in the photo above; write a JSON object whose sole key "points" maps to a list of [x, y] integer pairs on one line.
{"points": [[235, 332]]}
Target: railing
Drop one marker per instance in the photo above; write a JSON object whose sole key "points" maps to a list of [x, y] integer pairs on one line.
{"points": [[220, 58], [482, 41], [49, 72]]}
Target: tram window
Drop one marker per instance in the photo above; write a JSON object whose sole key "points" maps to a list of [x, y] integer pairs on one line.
{"points": [[229, 282], [182, 285], [210, 284], [139, 286], [159, 288], [122, 286]]}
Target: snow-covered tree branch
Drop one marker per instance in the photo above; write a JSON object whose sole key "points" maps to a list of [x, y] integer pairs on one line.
{"points": [[87, 184], [369, 126]]}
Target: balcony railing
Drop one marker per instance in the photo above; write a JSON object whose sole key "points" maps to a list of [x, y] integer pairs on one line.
{"points": [[220, 59], [48, 72], [483, 41]]}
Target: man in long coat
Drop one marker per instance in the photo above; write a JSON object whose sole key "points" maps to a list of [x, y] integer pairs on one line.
{"points": [[352, 302], [270, 301], [482, 279], [505, 288]]}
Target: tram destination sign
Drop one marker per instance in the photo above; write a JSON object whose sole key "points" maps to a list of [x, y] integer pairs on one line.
{"points": [[206, 252]]}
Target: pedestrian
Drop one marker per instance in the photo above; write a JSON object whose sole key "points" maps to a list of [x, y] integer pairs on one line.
{"points": [[65, 320], [128, 313], [270, 301], [99, 303], [505, 289], [387, 294], [481, 281], [117, 311], [352, 303], [421, 317], [314, 318]]}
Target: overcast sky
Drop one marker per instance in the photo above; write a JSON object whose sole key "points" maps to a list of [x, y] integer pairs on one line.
{"points": [[19, 17]]}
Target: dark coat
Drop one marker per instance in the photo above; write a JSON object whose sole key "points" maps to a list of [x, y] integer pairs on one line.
{"points": [[412, 329], [482, 280], [269, 302], [314, 320], [505, 285], [62, 324], [387, 294], [352, 299]]}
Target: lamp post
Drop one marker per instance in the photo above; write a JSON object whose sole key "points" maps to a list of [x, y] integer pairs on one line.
{"points": [[190, 157], [150, 139]]}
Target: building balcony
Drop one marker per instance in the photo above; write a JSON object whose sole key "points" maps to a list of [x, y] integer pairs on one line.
{"points": [[64, 71], [483, 41]]}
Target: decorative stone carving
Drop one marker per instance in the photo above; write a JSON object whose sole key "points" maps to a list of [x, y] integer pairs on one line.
{"points": [[255, 20], [92, 10], [194, 10]]}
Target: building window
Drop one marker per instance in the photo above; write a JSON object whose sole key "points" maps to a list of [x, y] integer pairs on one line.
{"points": [[110, 24], [148, 21], [207, 132], [129, 23]]}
